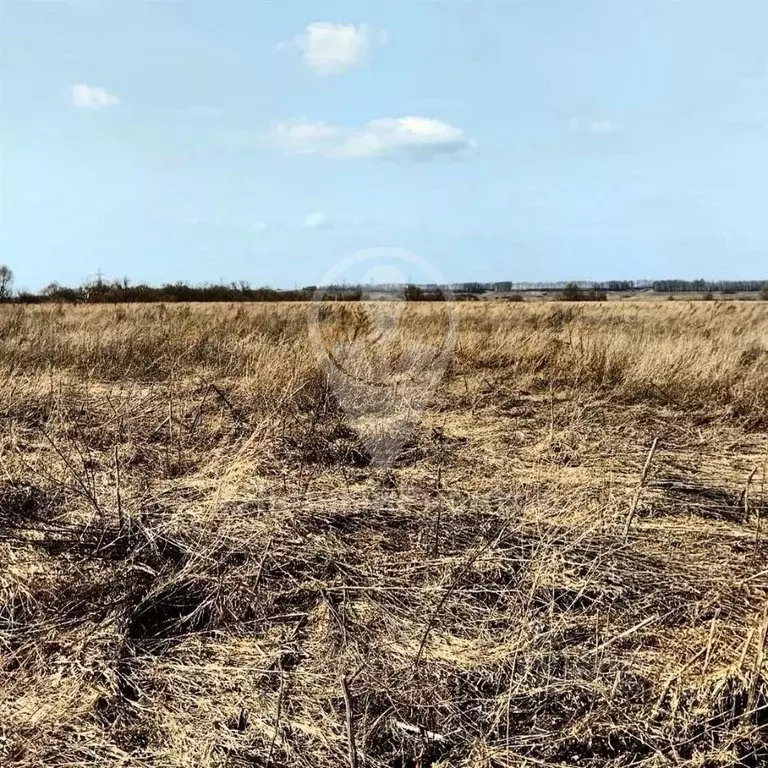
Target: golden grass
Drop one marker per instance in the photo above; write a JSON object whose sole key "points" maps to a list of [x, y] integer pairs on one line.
{"points": [[199, 565]]}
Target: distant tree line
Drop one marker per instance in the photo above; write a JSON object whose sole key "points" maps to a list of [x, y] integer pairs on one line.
{"points": [[574, 292], [618, 286], [697, 286], [122, 291]]}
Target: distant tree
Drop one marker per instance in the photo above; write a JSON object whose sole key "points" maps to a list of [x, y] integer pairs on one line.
{"points": [[764, 293], [6, 281], [50, 290], [572, 292], [413, 293]]}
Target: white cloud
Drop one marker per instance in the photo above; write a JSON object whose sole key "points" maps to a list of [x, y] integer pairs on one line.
{"points": [[387, 137], [602, 126], [594, 127], [315, 221], [88, 97], [331, 49], [259, 226]]}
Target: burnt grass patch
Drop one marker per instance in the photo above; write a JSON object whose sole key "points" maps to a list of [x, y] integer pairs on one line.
{"points": [[174, 610], [23, 505], [336, 444]]}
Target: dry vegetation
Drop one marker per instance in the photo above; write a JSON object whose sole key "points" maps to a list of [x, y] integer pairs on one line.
{"points": [[200, 567]]}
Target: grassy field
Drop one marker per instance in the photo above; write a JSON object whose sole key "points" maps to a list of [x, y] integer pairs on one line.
{"points": [[560, 561]]}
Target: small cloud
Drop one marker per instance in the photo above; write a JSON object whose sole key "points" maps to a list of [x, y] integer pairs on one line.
{"points": [[315, 221], [388, 137], [87, 97], [594, 127], [603, 126], [332, 49], [259, 226]]}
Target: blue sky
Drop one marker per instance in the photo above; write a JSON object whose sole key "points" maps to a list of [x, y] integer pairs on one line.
{"points": [[266, 141]]}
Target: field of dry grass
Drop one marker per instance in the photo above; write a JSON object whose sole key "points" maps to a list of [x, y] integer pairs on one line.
{"points": [[200, 565]]}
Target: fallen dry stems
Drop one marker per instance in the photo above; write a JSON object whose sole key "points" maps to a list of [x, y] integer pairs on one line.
{"points": [[640, 486]]}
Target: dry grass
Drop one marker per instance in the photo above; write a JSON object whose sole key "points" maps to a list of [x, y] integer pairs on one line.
{"points": [[200, 567]]}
